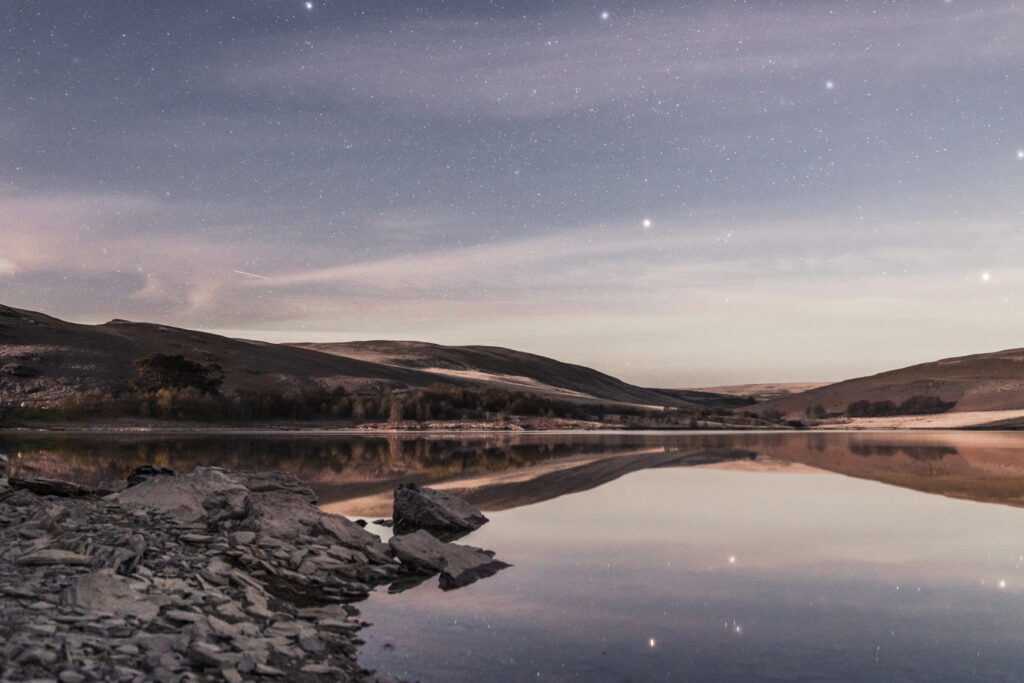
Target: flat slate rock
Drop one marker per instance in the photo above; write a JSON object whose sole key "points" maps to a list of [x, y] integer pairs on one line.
{"points": [[187, 497], [105, 591], [51, 487], [459, 565], [53, 556], [418, 507], [211, 575]]}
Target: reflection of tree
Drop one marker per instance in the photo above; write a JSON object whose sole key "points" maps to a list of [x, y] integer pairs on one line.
{"points": [[912, 452], [92, 459]]}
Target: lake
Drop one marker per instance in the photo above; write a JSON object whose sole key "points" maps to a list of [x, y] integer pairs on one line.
{"points": [[669, 556]]}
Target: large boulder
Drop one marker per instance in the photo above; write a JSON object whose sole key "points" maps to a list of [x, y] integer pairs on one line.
{"points": [[188, 498], [438, 512], [460, 565]]}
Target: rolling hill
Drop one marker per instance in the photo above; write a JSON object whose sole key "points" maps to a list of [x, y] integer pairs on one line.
{"points": [[980, 382], [515, 371], [46, 360]]}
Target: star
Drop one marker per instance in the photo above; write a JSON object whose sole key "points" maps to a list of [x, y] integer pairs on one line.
{"points": [[309, 5], [647, 223], [1020, 153], [985, 277], [829, 85], [605, 15]]}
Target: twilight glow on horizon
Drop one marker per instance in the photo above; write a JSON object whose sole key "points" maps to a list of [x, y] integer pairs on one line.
{"points": [[677, 193]]}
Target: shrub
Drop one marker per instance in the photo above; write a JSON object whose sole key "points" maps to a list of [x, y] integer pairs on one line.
{"points": [[165, 371], [915, 405]]}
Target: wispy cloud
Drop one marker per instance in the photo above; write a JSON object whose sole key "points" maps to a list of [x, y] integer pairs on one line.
{"points": [[571, 62]]}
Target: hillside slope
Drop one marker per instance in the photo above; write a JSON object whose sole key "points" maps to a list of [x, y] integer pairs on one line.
{"points": [[987, 381], [43, 359], [46, 360], [512, 370]]}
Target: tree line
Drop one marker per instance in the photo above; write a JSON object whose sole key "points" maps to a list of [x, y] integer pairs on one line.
{"points": [[173, 387], [915, 405]]}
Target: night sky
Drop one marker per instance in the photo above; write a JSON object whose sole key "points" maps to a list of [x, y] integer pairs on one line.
{"points": [[678, 193]]}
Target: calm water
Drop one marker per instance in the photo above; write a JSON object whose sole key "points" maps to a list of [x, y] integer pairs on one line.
{"points": [[667, 557]]}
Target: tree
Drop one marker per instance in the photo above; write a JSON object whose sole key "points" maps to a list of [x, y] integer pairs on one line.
{"points": [[165, 371], [397, 411]]}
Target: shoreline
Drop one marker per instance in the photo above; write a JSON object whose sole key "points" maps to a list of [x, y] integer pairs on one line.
{"points": [[316, 429], [210, 575], [894, 425]]}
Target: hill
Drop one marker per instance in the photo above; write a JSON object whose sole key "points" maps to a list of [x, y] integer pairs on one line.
{"points": [[516, 371], [44, 360], [980, 382]]}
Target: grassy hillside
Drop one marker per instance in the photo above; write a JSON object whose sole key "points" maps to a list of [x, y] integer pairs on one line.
{"points": [[988, 381], [92, 371]]}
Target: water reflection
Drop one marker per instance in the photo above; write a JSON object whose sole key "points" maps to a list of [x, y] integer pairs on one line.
{"points": [[355, 473], [665, 557], [724, 574]]}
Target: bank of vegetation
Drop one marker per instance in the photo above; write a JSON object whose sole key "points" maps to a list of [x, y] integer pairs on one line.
{"points": [[175, 388], [915, 405]]}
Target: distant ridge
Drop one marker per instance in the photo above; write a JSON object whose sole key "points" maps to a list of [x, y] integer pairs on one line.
{"points": [[515, 370], [979, 382], [45, 360]]}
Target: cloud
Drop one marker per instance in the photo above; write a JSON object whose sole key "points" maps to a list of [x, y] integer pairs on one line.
{"points": [[736, 62]]}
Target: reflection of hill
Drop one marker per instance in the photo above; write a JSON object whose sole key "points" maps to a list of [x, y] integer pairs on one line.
{"points": [[543, 481], [589, 476], [337, 468], [985, 467], [498, 471]]}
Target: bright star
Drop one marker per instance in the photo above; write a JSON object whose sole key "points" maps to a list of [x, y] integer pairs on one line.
{"points": [[1020, 153], [829, 85], [647, 223], [732, 558], [1002, 584], [605, 15], [651, 642], [986, 277], [309, 5]]}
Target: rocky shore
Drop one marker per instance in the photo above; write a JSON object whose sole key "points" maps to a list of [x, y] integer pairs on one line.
{"points": [[212, 575]]}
